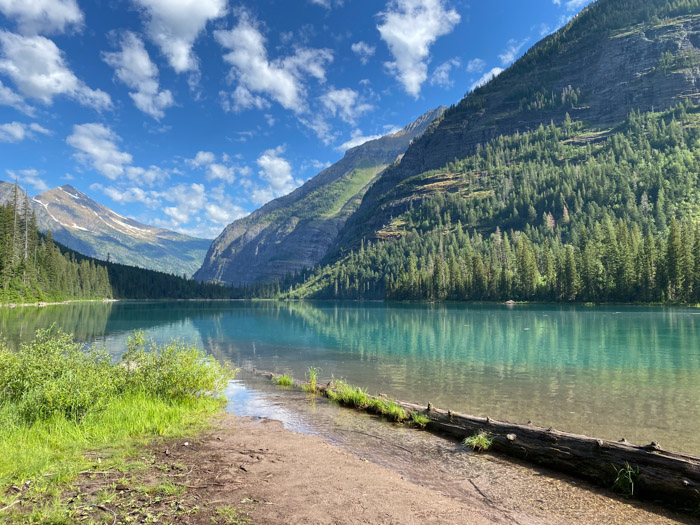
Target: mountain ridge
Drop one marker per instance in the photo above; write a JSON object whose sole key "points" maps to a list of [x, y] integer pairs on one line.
{"points": [[88, 227]]}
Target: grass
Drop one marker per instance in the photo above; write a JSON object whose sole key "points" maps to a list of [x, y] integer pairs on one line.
{"points": [[419, 419], [64, 411], [357, 397], [312, 375], [284, 380], [626, 480], [229, 515], [479, 442]]}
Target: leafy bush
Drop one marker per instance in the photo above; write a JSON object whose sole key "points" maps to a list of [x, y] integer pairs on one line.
{"points": [[54, 375]]}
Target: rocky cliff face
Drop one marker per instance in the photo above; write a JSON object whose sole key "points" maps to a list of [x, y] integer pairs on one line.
{"points": [[294, 232], [80, 223], [596, 69]]}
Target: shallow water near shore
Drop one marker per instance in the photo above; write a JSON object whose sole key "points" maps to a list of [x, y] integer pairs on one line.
{"points": [[609, 372]]}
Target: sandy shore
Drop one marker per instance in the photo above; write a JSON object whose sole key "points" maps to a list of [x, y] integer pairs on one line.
{"points": [[273, 476]]}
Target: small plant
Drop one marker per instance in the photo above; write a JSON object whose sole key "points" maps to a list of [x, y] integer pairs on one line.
{"points": [[419, 419], [230, 516], [627, 479], [312, 375], [284, 380], [390, 409], [479, 442]]}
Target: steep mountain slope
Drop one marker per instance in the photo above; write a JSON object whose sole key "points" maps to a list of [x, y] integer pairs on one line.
{"points": [[294, 232], [92, 229], [614, 57]]}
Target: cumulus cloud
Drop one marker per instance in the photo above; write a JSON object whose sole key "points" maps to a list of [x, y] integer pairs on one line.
{"points": [[512, 51], [175, 24], [148, 176], [327, 3], [96, 145], [345, 103], [364, 51], [152, 199], [43, 16], [29, 177], [134, 67], [409, 28], [476, 65], [39, 71], [277, 173], [257, 76], [574, 5], [487, 77], [9, 98], [441, 75], [188, 200], [220, 172], [202, 158], [18, 131]]}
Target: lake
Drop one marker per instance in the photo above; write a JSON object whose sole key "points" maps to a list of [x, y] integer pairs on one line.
{"points": [[608, 372]]}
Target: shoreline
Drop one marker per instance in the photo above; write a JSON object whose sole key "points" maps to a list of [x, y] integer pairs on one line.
{"points": [[42, 304]]}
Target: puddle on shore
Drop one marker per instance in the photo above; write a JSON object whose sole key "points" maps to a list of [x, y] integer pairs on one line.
{"points": [[521, 493]]}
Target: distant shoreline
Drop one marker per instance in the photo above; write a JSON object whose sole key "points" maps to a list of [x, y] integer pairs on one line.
{"points": [[41, 304]]}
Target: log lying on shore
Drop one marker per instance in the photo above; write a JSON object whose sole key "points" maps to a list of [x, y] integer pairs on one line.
{"points": [[657, 474]]}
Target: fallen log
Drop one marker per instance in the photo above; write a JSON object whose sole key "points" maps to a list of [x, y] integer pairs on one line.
{"points": [[647, 472]]}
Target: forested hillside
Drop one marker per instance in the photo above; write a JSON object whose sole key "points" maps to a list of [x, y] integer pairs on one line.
{"points": [[557, 214], [34, 269]]}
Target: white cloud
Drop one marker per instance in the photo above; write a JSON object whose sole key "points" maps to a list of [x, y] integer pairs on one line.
{"points": [[220, 172], [241, 99], [363, 50], [148, 176], [18, 131], [202, 158], [574, 5], [175, 24], [512, 51], [487, 77], [357, 139], [277, 173], [409, 28], [189, 199], [476, 65], [282, 79], [134, 67], [39, 71], [12, 99], [43, 16], [345, 104], [152, 199], [441, 75], [222, 215], [29, 177], [97, 145]]}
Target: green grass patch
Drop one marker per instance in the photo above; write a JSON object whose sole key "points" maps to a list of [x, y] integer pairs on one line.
{"points": [[419, 420], [64, 410], [357, 397], [284, 380], [229, 515], [479, 442]]}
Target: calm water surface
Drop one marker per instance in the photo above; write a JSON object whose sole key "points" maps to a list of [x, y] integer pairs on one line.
{"points": [[611, 372]]}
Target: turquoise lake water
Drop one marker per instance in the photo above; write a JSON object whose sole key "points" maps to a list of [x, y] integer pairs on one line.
{"points": [[609, 372]]}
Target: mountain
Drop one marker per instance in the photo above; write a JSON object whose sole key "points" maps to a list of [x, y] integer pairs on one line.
{"points": [[614, 57], [294, 232], [572, 176], [80, 223]]}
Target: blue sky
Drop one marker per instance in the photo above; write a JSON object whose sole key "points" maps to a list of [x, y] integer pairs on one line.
{"points": [[188, 114]]}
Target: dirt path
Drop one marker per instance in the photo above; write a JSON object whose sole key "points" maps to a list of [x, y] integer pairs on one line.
{"points": [[261, 472]]}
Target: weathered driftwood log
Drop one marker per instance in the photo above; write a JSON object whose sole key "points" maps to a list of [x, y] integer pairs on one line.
{"points": [[662, 476]]}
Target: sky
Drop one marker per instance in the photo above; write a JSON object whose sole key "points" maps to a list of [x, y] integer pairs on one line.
{"points": [[189, 114]]}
